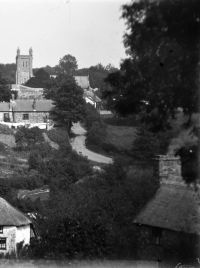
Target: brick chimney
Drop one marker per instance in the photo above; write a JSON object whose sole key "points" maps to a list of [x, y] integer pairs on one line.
{"points": [[168, 169]]}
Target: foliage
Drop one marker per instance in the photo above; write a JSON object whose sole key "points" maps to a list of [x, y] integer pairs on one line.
{"points": [[5, 92], [94, 218], [25, 138], [189, 163], [91, 115], [40, 80], [59, 136], [69, 103], [8, 72], [5, 130], [97, 133], [148, 144], [68, 64], [61, 172], [161, 72]]}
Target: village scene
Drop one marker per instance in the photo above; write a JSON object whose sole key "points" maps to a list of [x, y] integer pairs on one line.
{"points": [[99, 164]]}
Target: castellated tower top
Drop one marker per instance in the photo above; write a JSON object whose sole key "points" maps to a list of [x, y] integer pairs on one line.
{"points": [[30, 51], [24, 67], [18, 51]]}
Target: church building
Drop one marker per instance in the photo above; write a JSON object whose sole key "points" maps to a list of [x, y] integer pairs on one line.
{"points": [[24, 67]]}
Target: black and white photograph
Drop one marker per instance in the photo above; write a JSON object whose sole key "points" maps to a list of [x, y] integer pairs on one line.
{"points": [[99, 133]]}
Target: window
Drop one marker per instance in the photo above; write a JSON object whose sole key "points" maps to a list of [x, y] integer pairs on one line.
{"points": [[2, 243], [1, 229], [6, 117], [25, 116]]}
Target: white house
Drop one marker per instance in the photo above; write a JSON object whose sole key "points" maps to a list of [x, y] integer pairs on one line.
{"points": [[15, 228]]}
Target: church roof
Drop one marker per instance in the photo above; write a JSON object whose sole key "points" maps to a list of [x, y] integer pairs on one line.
{"points": [[82, 81], [173, 207], [11, 216]]}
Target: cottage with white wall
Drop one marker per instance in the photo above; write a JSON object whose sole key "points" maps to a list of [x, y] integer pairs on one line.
{"points": [[25, 112], [15, 228]]}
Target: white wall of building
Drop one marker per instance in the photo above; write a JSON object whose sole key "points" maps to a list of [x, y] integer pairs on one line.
{"points": [[13, 236], [9, 232], [23, 233]]}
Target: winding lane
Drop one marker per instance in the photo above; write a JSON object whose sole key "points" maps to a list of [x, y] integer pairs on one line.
{"points": [[78, 144]]}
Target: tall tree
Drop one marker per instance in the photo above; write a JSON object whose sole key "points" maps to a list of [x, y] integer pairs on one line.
{"points": [[41, 79], [68, 64], [5, 91], [161, 72], [69, 102]]}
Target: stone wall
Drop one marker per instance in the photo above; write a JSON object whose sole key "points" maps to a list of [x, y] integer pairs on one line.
{"points": [[34, 117]]}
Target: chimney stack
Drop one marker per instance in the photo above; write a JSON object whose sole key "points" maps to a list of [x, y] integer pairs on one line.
{"points": [[168, 169]]}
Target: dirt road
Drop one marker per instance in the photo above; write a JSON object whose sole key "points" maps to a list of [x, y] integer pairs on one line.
{"points": [[78, 144]]}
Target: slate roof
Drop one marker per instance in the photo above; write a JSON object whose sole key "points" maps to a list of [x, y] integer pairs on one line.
{"points": [[4, 106], [26, 105], [173, 207], [82, 81], [10, 216]]}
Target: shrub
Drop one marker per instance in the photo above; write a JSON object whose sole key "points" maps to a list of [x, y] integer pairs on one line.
{"points": [[91, 116], [25, 138], [34, 160], [59, 136], [148, 144], [3, 147], [6, 130], [96, 134]]}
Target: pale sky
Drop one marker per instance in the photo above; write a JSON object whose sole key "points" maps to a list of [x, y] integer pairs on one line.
{"points": [[90, 30]]}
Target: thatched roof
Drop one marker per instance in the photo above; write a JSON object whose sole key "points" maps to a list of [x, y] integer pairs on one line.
{"points": [[173, 207], [10, 216]]}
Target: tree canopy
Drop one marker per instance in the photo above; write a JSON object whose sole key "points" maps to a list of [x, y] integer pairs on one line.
{"points": [[68, 64], [41, 79], [69, 102], [161, 71], [5, 91]]}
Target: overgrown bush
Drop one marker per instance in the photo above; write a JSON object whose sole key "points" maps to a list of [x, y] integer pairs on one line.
{"points": [[25, 138], [59, 136], [149, 144], [6, 130], [91, 117], [96, 134], [35, 160]]}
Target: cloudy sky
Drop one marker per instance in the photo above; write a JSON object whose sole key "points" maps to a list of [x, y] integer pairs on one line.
{"points": [[90, 30]]}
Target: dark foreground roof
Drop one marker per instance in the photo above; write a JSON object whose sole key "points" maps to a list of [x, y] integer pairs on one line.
{"points": [[10, 216], [173, 207]]}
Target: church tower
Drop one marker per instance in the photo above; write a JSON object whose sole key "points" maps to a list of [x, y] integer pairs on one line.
{"points": [[24, 67]]}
